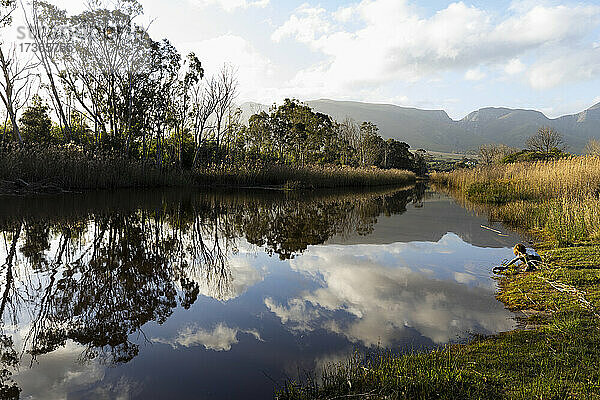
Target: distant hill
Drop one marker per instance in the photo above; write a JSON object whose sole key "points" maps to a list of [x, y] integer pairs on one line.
{"points": [[435, 130]]}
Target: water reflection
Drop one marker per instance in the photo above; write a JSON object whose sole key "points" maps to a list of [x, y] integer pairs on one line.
{"points": [[389, 291], [238, 283]]}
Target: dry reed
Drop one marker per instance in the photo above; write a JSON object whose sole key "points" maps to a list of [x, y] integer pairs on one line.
{"points": [[560, 197]]}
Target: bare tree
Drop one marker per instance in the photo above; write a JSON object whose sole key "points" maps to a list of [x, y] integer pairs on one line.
{"points": [[349, 131], [15, 85], [493, 153], [593, 147], [227, 87], [546, 140], [204, 100]]}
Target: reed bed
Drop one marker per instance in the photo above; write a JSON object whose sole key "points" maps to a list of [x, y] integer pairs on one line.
{"points": [[574, 177], [306, 178], [558, 197], [70, 168]]}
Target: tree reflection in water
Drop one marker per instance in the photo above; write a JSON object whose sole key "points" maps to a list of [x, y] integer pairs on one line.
{"points": [[94, 269]]}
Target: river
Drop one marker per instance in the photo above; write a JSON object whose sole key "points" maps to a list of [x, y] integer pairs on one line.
{"points": [[198, 294]]}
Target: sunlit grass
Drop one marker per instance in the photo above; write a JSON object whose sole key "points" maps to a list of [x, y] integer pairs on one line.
{"points": [[559, 197], [574, 177], [556, 361]]}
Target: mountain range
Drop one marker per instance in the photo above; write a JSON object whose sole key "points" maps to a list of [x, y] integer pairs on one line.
{"points": [[434, 130]]}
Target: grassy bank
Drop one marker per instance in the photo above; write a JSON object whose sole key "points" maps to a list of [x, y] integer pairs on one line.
{"points": [[42, 169], [557, 353]]}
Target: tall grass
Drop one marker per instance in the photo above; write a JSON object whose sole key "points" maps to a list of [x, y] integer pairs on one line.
{"points": [[306, 177], [559, 197], [574, 177], [70, 168]]}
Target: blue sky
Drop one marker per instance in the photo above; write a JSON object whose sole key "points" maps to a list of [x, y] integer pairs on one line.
{"points": [[457, 56]]}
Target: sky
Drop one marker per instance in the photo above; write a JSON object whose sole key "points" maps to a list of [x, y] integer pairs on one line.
{"points": [[456, 56]]}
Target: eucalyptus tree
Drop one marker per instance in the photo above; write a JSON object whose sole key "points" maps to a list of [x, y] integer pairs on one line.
{"points": [[183, 100], [348, 134], [7, 7], [260, 140], [48, 26], [371, 144], [166, 63], [107, 57]]}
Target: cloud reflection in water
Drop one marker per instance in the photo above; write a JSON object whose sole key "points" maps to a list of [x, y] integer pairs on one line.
{"points": [[385, 290]]}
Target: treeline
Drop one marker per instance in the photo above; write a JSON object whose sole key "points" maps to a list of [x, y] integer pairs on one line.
{"points": [[114, 89], [295, 134]]}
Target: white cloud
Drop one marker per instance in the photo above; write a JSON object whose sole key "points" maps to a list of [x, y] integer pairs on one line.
{"points": [[232, 5], [305, 26], [221, 338], [297, 312], [475, 75], [394, 43], [574, 66], [385, 297], [228, 283], [58, 373], [255, 71], [514, 67]]}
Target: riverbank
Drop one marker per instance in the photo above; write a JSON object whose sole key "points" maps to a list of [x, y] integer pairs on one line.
{"points": [[37, 169], [556, 354]]}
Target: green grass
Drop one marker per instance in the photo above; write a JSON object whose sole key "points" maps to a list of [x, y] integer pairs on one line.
{"points": [[496, 193], [558, 360]]}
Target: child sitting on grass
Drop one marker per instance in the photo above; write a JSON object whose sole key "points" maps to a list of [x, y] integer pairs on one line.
{"points": [[528, 257]]}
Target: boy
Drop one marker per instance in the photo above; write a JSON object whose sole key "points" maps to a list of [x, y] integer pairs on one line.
{"points": [[529, 257]]}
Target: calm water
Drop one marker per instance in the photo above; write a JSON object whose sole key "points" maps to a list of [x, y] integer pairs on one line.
{"points": [[222, 295]]}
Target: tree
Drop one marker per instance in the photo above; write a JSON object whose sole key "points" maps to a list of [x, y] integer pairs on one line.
{"points": [[182, 101], [227, 89], [371, 149], [7, 7], [35, 122], [593, 147], [15, 85], [47, 24], [107, 59], [546, 141], [397, 155], [493, 153]]}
